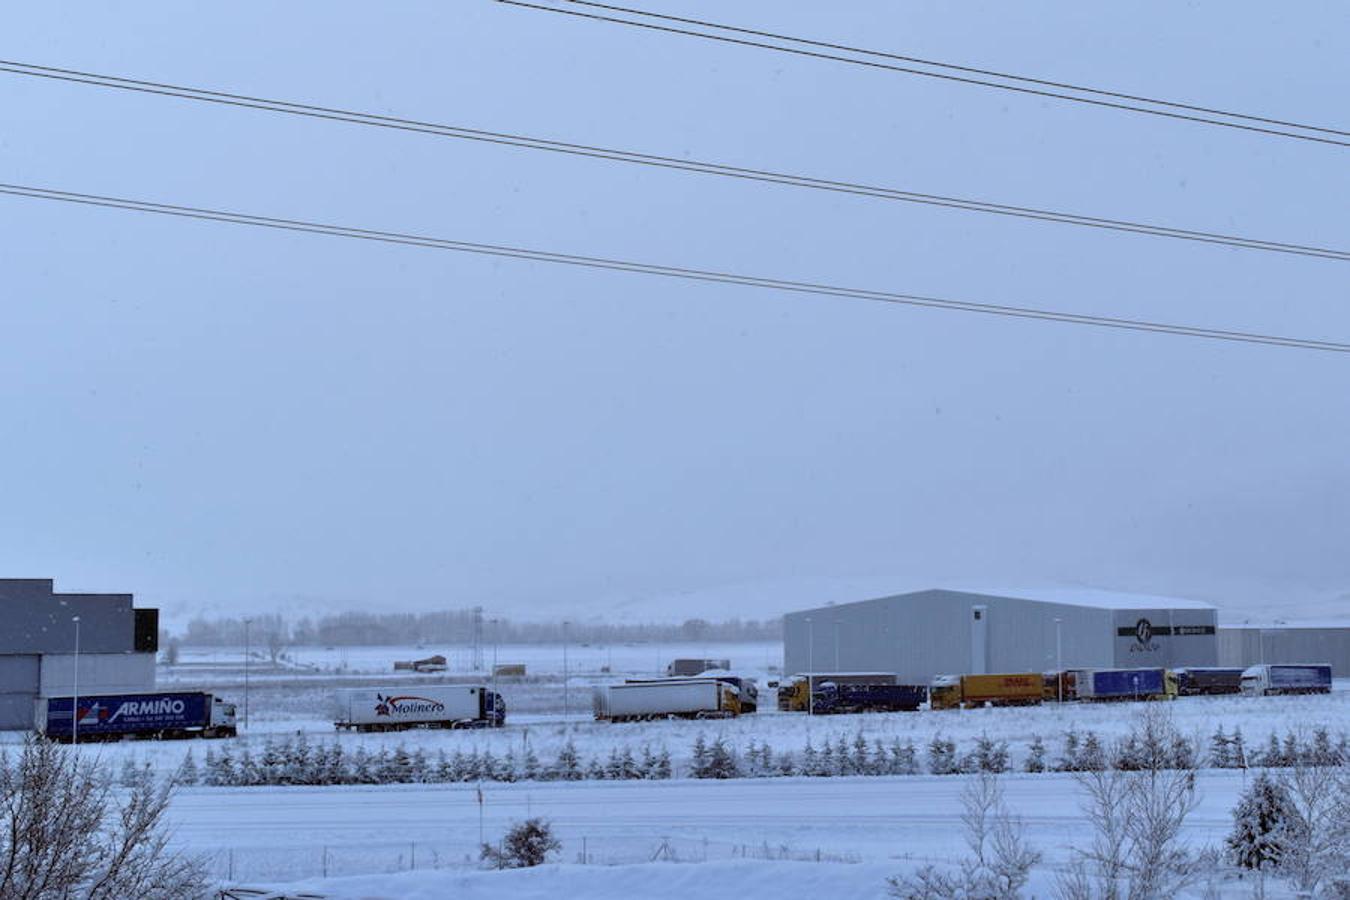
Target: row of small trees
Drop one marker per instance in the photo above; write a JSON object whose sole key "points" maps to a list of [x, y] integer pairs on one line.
{"points": [[295, 760]]}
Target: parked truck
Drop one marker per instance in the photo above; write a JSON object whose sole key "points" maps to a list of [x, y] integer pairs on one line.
{"points": [[970, 691], [794, 694], [685, 668], [747, 688], [1197, 681], [861, 698], [1126, 684], [674, 698], [431, 706], [111, 717], [1059, 686], [1301, 678]]}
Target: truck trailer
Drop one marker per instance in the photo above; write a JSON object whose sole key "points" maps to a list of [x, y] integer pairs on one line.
{"points": [[675, 698], [747, 688], [1301, 678], [686, 668], [862, 698], [1194, 682], [1126, 684], [407, 706], [111, 717], [794, 694], [971, 691]]}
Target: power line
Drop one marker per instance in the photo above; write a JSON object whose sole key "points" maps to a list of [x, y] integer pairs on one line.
{"points": [[689, 274], [663, 162], [1056, 90]]}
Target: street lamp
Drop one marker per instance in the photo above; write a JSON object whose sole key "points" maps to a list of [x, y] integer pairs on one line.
{"points": [[496, 629], [810, 668], [567, 700], [247, 653], [75, 701], [836, 645], [1059, 662]]}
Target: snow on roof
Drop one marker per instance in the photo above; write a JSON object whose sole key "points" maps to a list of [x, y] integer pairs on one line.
{"points": [[1095, 598], [1278, 626]]}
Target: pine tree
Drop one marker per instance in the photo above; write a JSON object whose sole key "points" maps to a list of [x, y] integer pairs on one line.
{"points": [[211, 769], [1182, 754], [699, 763], [131, 775], [187, 772], [1264, 811], [810, 760], [1321, 752], [1220, 750], [419, 771], [1237, 749], [942, 756], [336, 770], [568, 767], [860, 764], [506, 769], [1035, 755], [1068, 760], [613, 767], [647, 767], [271, 763], [828, 767], [248, 773], [1093, 757], [441, 771], [786, 766], [362, 768], [663, 767], [1293, 752], [487, 765], [843, 759], [596, 772], [721, 761], [461, 769], [530, 770], [226, 772]]}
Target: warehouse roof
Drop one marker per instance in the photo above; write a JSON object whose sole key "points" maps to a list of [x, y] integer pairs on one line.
{"points": [[1281, 626], [1095, 598]]}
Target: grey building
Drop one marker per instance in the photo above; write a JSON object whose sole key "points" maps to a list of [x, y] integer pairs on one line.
{"points": [[1299, 642], [950, 632], [117, 646]]}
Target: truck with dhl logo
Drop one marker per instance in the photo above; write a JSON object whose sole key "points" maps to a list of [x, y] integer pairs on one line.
{"points": [[970, 691]]}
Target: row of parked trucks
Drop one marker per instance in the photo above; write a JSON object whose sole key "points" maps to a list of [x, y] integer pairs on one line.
{"points": [[835, 692]]}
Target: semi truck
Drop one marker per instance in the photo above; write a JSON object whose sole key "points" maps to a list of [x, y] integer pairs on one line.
{"points": [[685, 668], [110, 717], [431, 706], [1126, 684], [1059, 685], [1300, 678], [1194, 682], [747, 688], [675, 698], [861, 698], [794, 694], [970, 691]]}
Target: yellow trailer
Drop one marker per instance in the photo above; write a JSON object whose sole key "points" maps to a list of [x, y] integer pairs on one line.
{"points": [[968, 691]]}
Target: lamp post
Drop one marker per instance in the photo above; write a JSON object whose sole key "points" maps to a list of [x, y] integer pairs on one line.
{"points": [[247, 622], [836, 645], [496, 630], [75, 701], [1059, 662], [810, 668], [567, 700]]}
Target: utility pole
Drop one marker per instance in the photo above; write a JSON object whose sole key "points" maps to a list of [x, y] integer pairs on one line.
{"points": [[836, 645], [247, 654], [477, 639], [1059, 662], [75, 701], [567, 703], [810, 668]]}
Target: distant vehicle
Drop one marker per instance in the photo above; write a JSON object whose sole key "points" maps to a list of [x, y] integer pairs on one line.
{"points": [[1304, 678], [689, 667], [1126, 684], [1197, 681], [863, 698], [970, 691], [747, 688], [435, 663], [794, 696], [678, 698], [163, 716], [399, 707], [509, 670]]}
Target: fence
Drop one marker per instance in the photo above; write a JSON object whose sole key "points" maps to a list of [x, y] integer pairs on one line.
{"points": [[273, 863]]}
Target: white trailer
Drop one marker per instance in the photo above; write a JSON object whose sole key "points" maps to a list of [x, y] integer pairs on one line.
{"points": [[411, 706], [685, 698]]}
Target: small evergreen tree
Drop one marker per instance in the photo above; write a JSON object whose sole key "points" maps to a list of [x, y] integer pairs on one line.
{"points": [[810, 760], [699, 762], [568, 766], [1237, 749], [662, 771], [1035, 755], [942, 759], [1068, 760], [1093, 757], [1220, 750], [187, 772], [596, 772], [1263, 814], [527, 844], [786, 766], [530, 769]]}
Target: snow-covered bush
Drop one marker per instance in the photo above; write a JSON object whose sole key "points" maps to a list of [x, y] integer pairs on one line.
{"points": [[526, 844]]}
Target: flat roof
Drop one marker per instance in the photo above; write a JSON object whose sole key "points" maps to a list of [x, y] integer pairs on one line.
{"points": [[1092, 597], [1331, 624]]}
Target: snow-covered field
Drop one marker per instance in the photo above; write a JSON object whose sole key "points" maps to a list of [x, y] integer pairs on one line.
{"points": [[776, 837], [758, 835]]}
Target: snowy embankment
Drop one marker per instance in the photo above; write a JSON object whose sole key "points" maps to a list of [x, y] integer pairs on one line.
{"points": [[757, 834]]}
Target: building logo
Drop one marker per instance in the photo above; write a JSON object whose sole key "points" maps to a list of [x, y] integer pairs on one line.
{"points": [[1143, 637]]}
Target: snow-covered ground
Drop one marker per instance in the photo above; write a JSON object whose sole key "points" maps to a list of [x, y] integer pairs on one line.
{"points": [[758, 835]]}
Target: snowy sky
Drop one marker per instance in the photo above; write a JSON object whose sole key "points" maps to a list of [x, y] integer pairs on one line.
{"points": [[218, 417]]}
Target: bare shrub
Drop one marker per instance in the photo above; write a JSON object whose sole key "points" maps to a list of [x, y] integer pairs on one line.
{"points": [[527, 844], [63, 836], [1000, 862]]}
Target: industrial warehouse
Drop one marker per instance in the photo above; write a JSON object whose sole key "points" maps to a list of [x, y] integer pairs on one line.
{"points": [[46, 633], [927, 633]]}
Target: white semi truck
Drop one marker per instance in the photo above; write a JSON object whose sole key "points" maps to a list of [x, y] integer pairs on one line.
{"points": [[683, 698], [408, 706]]}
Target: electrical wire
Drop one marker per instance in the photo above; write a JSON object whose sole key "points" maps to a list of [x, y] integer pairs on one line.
{"points": [[663, 162], [678, 272], [1171, 110]]}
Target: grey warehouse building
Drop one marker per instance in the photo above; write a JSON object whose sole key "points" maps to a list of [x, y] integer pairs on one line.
{"points": [[955, 632], [117, 646], [1292, 642]]}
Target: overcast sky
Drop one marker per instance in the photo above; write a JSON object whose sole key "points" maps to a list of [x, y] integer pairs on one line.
{"points": [[218, 417]]}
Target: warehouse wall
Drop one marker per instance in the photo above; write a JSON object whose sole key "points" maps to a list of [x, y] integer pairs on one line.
{"points": [[1165, 637], [1247, 646], [100, 673]]}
